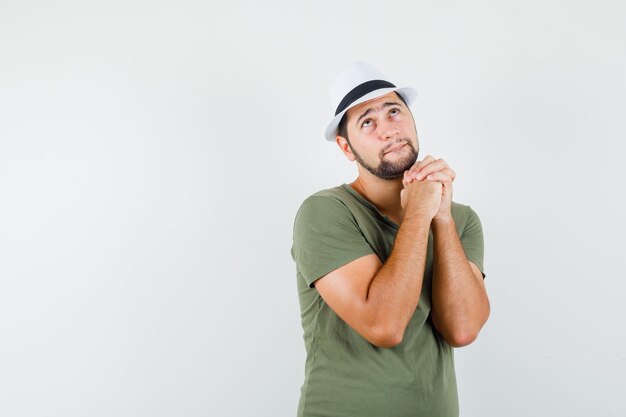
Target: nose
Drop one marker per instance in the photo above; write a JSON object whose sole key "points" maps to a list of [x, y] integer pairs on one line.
{"points": [[389, 130]]}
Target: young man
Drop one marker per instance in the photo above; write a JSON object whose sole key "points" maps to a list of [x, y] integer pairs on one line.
{"points": [[389, 268]]}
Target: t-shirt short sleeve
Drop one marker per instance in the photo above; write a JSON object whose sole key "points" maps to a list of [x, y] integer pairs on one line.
{"points": [[472, 240], [325, 237]]}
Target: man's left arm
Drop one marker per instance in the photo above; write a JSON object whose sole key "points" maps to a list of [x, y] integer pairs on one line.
{"points": [[460, 306]]}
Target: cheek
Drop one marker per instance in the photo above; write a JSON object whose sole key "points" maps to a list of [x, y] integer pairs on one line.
{"points": [[408, 124], [402, 126]]}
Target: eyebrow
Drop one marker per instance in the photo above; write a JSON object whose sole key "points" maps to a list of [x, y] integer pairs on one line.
{"points": [[371, 109]]}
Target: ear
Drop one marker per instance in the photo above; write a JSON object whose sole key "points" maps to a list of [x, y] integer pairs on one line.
{"points": [[345, 147]]}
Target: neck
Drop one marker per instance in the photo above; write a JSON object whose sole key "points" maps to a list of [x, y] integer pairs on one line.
{"points": [[384, 194]]}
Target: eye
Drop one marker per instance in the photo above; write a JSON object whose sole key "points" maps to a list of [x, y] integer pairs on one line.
{"points": [[394, 111], [366, 121]]}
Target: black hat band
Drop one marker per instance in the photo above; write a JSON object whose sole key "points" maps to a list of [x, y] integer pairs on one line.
{"points": [[361, 90]]}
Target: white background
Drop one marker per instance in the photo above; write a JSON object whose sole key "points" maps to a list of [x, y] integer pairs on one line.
{"points": [[153, 155]]}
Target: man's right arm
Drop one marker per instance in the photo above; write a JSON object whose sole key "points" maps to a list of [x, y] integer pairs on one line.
{"points": [[378, 300]]}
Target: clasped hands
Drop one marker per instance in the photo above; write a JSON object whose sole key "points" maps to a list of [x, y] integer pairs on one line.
{"points": [[433, 170]]}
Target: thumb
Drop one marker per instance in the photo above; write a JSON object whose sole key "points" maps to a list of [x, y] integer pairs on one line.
{"points": [[406, 182], [446, 188]]}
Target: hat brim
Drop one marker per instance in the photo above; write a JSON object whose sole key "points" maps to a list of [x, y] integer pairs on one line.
{"points": [[409, 94]]}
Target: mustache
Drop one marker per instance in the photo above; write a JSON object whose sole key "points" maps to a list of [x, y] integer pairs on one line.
{"points": [[391, 145]]}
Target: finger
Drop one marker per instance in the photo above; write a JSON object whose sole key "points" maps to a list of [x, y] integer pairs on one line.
{"points": [[431, 170], [428, 159], [447, 188], [416, 168], [438, 165], [407, 179], [440, 176], [447, 172], [434, 166]]}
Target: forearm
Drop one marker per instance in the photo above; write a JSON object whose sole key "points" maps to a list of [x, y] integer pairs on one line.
{"points": [[460, 306], [394, 292]]}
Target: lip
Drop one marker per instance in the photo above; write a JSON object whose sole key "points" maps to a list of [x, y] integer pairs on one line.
{"points": [[395, 147]]}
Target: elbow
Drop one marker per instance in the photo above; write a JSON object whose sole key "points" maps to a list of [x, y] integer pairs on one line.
{"points": [[465, 335], [385, 337], [460, 339], [462, 336]]}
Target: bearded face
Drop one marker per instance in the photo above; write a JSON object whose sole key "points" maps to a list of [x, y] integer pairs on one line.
{"points": [[393, 160]]}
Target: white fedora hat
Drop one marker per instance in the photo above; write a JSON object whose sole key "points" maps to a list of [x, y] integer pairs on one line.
{"points": [[359, 83]]}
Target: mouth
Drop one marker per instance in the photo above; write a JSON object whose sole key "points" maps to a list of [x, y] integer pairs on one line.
{"points": [[395, 148]]}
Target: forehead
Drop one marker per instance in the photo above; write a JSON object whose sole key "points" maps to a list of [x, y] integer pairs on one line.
{"points": [[375, 102]]}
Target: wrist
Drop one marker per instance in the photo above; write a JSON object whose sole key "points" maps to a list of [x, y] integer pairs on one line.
{"points": [[443, 220], [418, 216]]}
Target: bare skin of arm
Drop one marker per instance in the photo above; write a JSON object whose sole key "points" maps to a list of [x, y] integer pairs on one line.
{"points": [[378, 300], [460, 306]]}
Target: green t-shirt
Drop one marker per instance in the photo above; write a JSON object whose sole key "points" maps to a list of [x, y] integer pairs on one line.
{"points": [[345, 375]]}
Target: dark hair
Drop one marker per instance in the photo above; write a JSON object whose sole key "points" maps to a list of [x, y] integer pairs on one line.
{"points": [[342, 129]]}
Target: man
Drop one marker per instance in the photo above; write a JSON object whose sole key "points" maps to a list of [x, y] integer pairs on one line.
{"points": [[389, 268]]}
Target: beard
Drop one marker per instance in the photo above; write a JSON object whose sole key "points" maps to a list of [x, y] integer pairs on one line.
{"points": [[389, 170]]}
